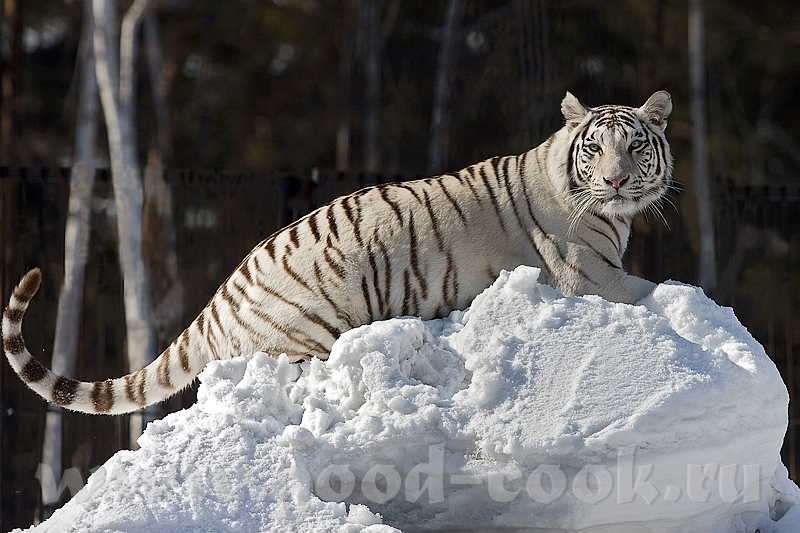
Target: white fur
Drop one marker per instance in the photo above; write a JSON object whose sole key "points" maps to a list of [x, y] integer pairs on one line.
{"points": [[423, 248]]}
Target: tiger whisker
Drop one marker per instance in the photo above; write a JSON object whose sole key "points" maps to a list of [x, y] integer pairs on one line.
{"points": [[583, 201], [656, 209]]}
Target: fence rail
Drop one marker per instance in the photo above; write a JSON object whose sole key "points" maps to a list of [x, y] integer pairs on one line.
{"points": [[212, 219]]}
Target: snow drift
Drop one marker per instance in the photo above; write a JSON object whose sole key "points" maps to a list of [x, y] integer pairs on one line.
{"points": [[529, 410]]}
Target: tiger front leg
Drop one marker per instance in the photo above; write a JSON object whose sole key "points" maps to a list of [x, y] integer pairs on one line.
{"points": [[612, 283], [634, 289]]}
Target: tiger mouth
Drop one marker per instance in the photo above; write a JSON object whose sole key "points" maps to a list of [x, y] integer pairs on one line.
{"points": [[617, 199], [619, 205]]}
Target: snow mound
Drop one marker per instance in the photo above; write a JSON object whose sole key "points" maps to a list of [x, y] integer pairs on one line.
{"points": [[529, 410]]}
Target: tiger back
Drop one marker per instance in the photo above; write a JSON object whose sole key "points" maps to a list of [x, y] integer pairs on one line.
{"points": [[421, 248]]}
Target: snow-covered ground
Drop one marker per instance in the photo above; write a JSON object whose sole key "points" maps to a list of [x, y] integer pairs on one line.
{"points": [[530, 410]]}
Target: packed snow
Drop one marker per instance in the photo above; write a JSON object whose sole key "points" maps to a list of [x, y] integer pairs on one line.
{"points": [[528, 411]]}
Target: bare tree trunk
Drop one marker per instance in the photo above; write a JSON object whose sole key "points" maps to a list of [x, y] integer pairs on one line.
{"points": [[76, 246], [440, 115], [527, 65], [10, 81], [345, 72], [537, 73], [707, 264], [159, 251], [155, 62], [158, 238], [127, 178], [372, 74], [128, 48]]}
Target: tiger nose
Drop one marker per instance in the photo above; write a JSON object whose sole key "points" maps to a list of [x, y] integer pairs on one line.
{"points": [[616, 182]]}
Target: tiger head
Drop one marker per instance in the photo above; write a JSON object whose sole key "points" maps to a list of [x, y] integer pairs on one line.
{"points": [[619, 162]]}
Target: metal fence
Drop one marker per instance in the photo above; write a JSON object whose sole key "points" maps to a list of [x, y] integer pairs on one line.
{"points": [[217, 217]]}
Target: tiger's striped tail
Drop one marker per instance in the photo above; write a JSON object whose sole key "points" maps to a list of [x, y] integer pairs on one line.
{"points": [[171, 371]]}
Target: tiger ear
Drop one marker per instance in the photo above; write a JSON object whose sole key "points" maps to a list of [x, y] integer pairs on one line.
{"points": [[573, 110], [657, 108]]}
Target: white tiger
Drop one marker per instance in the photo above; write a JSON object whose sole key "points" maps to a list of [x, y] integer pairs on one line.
{"points": [[418, 248]]}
